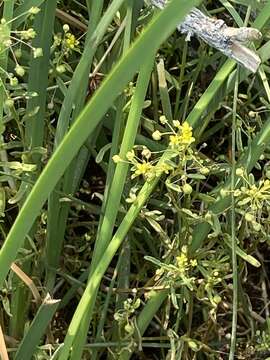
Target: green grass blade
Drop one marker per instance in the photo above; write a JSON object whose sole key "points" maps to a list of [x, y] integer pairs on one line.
{"points": [[233, 224], [38, 74], [164, 93], [72, 106], [37, 329], [34, 131]]}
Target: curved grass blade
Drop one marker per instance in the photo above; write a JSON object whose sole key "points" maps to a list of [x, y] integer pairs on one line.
{"points": [[37, 329]]}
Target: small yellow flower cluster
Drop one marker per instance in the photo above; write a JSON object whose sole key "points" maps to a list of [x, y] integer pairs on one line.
{"points": [[252, 194], [180, 139], [183, 138], [253, 198], [27, 34], [145, 167], [70, 41], [63, 45], [183, 262], [181, 159], [213, 279], [259, 194]]}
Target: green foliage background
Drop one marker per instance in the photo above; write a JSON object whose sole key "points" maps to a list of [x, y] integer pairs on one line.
{"points": [[134, 185]]}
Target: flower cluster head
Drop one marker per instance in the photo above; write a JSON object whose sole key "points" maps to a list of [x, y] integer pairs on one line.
{"points": [[64, 45], [183, 138], [12, 41], [124, 316], [180, 136], [10, 38], [253, 198], [70, 41], [184, 264], [176, 162], [143, 165], [26, 34], [181, 271], [67, 41]]}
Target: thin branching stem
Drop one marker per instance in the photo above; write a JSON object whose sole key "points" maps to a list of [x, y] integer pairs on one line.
{"points": [[233, 222]]}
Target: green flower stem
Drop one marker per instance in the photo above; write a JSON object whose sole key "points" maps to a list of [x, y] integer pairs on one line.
{"points": [[233, 224]]}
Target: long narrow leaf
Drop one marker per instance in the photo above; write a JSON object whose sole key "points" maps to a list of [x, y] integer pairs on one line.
{"points": [[37, 329]]}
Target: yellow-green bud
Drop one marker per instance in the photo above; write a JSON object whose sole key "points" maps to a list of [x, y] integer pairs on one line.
{"points": [[156, 135], [13, 81], [9, 103], [256, 226], [217, 299], [204, 170], [249, 217], [163, 119], [239, 172], [34, 10], [18, 53], [116, 159], [66, 28], [187, 189], [223, 193], [19, 70], [37, 52], [61, 69]]}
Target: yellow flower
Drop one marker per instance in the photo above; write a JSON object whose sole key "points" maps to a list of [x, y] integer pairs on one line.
{"points": [[71, 41], [182, 262], [193, 262], [183, 138], [164, 168], [143, 168], [175, 140], [187, 134]]}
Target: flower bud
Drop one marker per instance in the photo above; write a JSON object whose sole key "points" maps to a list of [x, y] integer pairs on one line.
{"points": [[187, 189], [19, 70], [156, 135]]}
